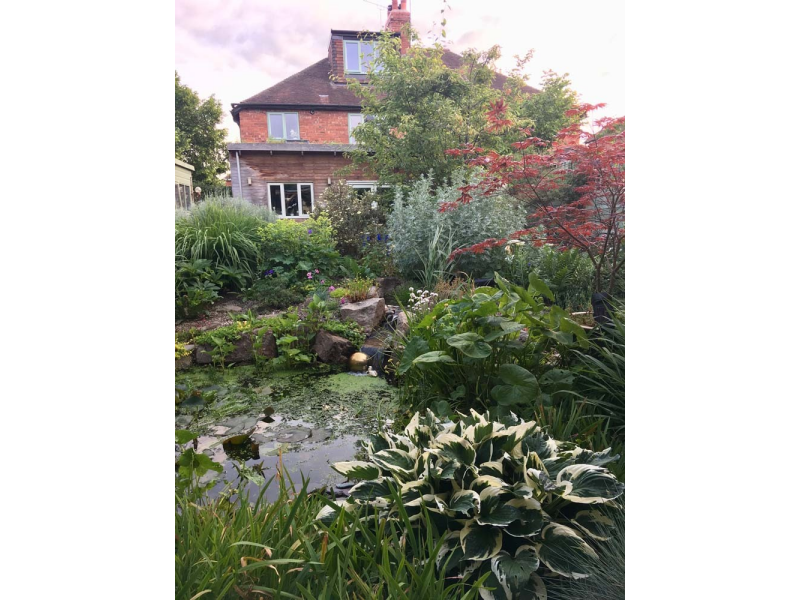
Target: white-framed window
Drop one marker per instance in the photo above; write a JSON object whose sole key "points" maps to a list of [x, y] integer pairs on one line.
{"points": [[291, 200], [362, 187], [283, 126], [358, 55], [353, 121]]}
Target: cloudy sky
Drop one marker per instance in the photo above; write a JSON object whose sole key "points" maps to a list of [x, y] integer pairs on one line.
{"points": [[236, 48]]}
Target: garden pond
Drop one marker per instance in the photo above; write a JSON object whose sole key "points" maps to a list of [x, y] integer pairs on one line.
{"points": [[248, 421]]}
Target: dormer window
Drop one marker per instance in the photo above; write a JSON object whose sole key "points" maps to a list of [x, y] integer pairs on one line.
{"points": [[284, 126], [358, 55]]}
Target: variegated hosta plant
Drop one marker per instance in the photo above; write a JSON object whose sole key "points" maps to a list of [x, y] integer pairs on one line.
{"points": [[509, 499]]}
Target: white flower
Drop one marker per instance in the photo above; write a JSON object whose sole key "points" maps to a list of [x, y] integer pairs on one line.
{"points": [[374, 205]]}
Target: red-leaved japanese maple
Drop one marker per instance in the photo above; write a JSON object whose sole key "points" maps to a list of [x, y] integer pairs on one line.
{"points": [[595, 222]]}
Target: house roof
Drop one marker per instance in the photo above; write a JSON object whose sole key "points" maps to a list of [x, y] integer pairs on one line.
{"points": [[180, 163], [313, 88]]}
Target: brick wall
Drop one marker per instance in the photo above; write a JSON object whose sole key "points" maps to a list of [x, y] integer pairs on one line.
{"points": [[336, 59], [263, 168], [320, 127]]}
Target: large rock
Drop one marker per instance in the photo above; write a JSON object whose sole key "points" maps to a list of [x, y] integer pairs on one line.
{"points": [[367, 313], [242, 349], [387, 286], [332, 349]]}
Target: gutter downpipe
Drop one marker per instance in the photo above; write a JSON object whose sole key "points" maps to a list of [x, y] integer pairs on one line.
{"points": [[239, 174]]}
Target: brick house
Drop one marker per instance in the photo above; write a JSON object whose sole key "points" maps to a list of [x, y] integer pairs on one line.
{"points": [[295, 133]]}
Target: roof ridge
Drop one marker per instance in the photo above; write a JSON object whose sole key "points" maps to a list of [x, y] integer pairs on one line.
{"points": [[316, 64]]}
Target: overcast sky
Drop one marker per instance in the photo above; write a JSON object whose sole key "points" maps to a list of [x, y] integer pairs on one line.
{"points": [[236, 48]]}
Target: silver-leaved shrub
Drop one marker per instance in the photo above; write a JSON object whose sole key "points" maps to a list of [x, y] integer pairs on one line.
{"points": [[509, 500], [414, 222]]}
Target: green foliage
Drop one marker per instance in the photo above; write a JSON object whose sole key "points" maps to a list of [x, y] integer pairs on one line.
{"points": [[223, 231], [198, 140], [352, 216], [347, 329], [275, 292], [601, 370], [196, 287], [506, 498], [231, 333], [423, 108], [289, 354], [295, 249], [416, 221], [357, 288], [544, 111], [470, 351]]}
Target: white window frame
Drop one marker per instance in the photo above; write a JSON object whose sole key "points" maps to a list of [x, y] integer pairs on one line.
{"points": [[283, 123], [351, 129], [358, 45], [372, 186], [283, 215]]}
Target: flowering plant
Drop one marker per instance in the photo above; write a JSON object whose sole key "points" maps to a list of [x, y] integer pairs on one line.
{"points": [[421, 301]]}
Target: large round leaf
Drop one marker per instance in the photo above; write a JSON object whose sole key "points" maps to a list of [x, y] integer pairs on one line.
{"points": [[471, 344], [520, 386], [415, 347]]}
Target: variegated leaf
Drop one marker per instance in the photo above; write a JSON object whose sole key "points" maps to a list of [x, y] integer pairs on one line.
{"points": [[366, 491], [564, 551], [530, 517], [515, 572], [487, 481], [480, 542], [452, 447], [357, 469], [415, 489], [493, 468], [594, 524], [492, 589], [496, 507], [466, 502], [590, 484], [451, 553], [398, 462]]}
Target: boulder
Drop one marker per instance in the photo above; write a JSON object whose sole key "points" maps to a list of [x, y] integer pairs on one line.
{"points": [[332, 349], [242, 349], [387, 286], [401, 323], [367, 313]]}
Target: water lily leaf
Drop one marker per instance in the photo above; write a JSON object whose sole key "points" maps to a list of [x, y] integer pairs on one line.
{"points": [[471, 344], [357, 469], [480, 542], [565, 552]]}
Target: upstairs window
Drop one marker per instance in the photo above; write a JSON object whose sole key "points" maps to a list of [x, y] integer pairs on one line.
{"points": [[358, 55], [353, 121], [284, 126]]}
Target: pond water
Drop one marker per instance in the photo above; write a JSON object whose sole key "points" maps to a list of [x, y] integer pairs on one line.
{"points": [[250, 421]]}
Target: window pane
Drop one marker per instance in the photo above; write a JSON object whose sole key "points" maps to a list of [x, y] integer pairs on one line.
{"points": [[366, 55], [351, 60], [276, 126], [275, 199], [354, 121], [369, 118], [306, 199], [292, 126], [292, 205]]}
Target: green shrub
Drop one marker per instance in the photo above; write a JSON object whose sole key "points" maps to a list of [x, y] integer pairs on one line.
{"points": [[223, 231], [294, 249], [196, 287], [275, 292], [506, 498], [357, 288], [353, 216], [416, 218]]}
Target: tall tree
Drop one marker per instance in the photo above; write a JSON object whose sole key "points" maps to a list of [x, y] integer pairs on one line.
{"points": [[421, 108], [198, 140], [546, 112]]}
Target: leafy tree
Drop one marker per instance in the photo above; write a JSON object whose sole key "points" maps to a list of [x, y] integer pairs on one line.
{"points": [[198, 140], [545, 112], [595, 222], [421, 107]]}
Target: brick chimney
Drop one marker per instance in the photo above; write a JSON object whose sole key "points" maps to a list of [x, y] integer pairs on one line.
{"points": [[398, 16]]}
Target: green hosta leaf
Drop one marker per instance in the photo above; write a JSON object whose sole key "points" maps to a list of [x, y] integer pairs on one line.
{"points": [[565, 552], [412, 490], [480, 542], [466, 502], [182, 436], [451, 447], [594, 524], [539, 286], [471, 344], [514, 573], [415, 347], [492, 467], [378, 442], [588, 484], [370, 490], [357, 469], [437, 356], [520, 386], [398, 462], [496, 507], [451, 552]]}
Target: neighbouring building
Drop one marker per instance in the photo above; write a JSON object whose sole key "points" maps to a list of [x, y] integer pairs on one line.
{"points": [[295, 133], [183, 184]]}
